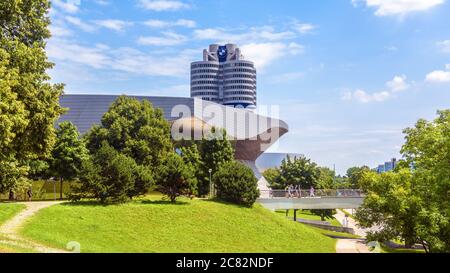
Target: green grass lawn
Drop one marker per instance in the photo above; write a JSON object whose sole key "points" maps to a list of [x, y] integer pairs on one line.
{"points": [[7, 211], [188, 226], [307, 215], [386, 249]]}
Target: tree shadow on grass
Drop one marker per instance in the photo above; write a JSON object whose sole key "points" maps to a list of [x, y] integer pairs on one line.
{"points": [[164, 202], [219, 201], [87, 203]]}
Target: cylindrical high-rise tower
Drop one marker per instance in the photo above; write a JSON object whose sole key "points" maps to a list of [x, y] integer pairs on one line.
{"points": [[224, 77]]}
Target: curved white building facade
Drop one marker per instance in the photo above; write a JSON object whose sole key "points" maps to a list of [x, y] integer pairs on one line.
{"points": [[224, 77]]}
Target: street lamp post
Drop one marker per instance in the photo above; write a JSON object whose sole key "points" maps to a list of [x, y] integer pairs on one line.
{"points": [[211, 194]]}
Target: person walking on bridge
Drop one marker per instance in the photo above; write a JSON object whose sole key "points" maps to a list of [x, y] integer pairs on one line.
{"points": [[311, 192], [290, 191]]}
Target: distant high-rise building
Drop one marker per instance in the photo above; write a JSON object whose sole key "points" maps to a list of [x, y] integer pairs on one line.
{"points": [[224, 77], [387, 166]]}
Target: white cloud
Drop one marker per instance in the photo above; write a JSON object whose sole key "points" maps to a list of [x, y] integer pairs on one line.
{"points": [[391, 48], [444, 46], [116, 25], [304, 28], [364, 97], [263, 54], [398, 84], [69, 6], [166, 24], [163, 5], [254, 34], [168, 39], [439, 76], [91, 26], [398, 7], [80, 24], [102, 2], [64, 50], [59, 31], [262, 44], [102, 57]]}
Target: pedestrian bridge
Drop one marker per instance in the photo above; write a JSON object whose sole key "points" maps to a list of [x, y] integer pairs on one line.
{"points": [[321, 199]]}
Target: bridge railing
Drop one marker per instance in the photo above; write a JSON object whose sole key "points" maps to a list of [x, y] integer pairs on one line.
{"points": [[344, 193]]}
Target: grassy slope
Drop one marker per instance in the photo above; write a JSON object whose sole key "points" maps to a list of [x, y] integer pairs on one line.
{"points": [[306, 214], [155, 226], [7, 211]]}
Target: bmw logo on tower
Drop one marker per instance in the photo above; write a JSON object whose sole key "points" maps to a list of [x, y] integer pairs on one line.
{"points": [[224, 77]]}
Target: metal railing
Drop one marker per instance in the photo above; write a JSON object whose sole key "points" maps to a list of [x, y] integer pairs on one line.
{"points": [[317, 193]]}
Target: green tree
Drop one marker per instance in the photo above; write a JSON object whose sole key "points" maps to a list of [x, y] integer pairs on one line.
{"points": [[390, 205], [176, 178], [38, 169], [192, 158], [135, 129], [354, 176], [68, 154], [297, 171], [236, 183], [272, 175], [413, 203], [427, 150], [215, 150], [326, 179], [29, 104], [111, 177]]}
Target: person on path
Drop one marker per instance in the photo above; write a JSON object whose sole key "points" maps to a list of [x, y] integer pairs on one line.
{"points": [[29, 193]]}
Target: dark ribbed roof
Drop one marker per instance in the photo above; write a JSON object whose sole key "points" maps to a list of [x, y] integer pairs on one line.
{"points": [[87, 110]]}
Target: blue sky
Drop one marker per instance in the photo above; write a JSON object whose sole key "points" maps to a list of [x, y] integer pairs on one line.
{"points": [[347, 75]]}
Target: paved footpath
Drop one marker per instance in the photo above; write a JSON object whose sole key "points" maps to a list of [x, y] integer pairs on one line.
{"points": [[9, 231], [351, 245]]}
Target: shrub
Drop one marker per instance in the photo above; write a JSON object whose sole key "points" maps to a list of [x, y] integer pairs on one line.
{"points": [[111, 177], [236, 183], [176, 178]]}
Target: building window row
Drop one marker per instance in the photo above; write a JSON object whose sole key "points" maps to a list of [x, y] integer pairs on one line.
{"points": [[205, 82], [199, 71], [204, 77], [229, 76], [239, 64], [204, 65], [239, 99], [239, 87], [195, 88], [204, 93], [240, 70], [250, 93], [240, 81]]}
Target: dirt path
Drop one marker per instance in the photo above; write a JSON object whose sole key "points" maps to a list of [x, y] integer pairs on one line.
{"points": [[9, 231]]}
